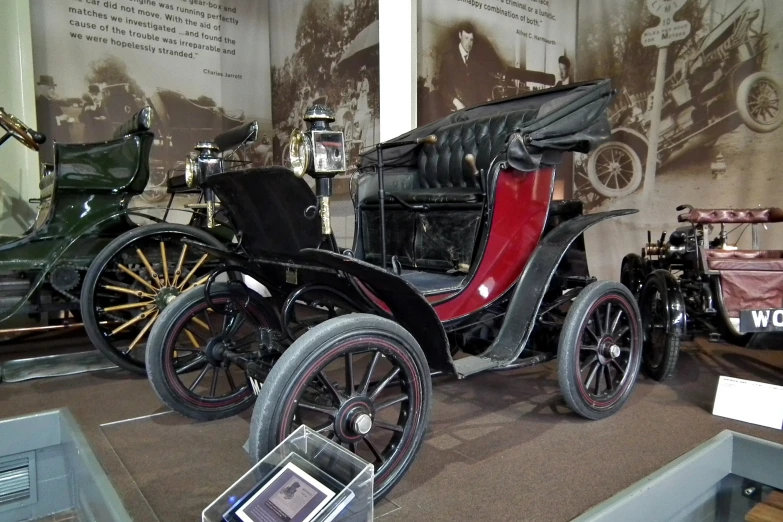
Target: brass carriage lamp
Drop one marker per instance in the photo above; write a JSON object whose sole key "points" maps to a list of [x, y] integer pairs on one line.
{"points": [[319, 152], [199, 165]]}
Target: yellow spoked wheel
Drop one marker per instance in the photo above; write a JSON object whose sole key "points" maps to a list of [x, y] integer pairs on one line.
{"points": [[133, 280]]}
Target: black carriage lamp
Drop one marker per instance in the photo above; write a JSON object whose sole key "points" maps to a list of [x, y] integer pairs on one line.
{"points": [[319, 152], [200, 165]]}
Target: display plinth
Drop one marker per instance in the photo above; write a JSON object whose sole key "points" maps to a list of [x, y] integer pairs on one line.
{"points": [[306, 478], [722, 479]]}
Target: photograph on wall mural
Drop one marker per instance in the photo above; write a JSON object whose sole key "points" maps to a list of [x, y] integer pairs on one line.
{"points": [[202, 70], [474, 52], [717, 80], [326, 52], [719, 132]]}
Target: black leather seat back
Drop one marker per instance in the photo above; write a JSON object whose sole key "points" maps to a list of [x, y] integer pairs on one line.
{"points": [[269, 208], [443, 164], [139, 122]]}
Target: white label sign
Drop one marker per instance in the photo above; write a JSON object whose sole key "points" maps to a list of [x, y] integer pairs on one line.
{"points": [[749, 401], [665, 8], [666, 33]]}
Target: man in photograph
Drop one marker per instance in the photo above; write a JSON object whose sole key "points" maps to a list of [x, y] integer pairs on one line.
{"points": [[458, 75], [52, 120], [564, 64]]}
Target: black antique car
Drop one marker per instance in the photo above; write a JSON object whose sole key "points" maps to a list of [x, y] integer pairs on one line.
{"points": [[83, 207], [462, 264], [697, 284]]}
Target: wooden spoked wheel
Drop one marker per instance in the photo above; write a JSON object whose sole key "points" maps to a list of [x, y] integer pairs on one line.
{"points": [[133, 280]]}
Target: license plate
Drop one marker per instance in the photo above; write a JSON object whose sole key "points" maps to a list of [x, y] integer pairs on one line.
{"points": [[761, 320]]}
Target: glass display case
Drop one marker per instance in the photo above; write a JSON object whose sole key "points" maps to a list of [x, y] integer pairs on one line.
{"points": [[306, 478]]}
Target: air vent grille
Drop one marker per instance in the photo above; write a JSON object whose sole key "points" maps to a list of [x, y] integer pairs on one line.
{"points": [[14, 480]]}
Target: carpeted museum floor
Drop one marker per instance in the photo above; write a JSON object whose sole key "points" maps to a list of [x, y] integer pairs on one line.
{"points": [[502, 446]]}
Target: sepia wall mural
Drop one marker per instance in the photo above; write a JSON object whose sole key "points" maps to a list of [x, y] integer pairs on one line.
{"points": [[325, 52], [720, 141], [202, 68]]}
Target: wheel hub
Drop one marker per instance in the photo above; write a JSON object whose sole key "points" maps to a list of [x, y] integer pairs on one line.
{"points": [[216, 350], [354, 419], [608, 350], [166, 296]]}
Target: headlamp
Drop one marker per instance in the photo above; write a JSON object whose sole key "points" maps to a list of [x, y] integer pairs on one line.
{"points": [[320, 151]]}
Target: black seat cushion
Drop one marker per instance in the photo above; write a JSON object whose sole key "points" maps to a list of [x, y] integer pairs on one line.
{"points": [[432, 195]]}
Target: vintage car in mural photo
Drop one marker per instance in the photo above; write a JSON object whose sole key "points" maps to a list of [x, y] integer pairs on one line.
{"points": [[84, 258], [462, 264], [697, 284], [711, 91]]}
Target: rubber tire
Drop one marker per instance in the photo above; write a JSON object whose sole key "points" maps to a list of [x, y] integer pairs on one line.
{"points": [[159, 338], [671, 352], [298, 359], [741, 99], [99, 264], [631, 274], [570, 334], [636, 179]]}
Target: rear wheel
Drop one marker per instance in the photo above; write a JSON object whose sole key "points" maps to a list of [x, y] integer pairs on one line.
{"points": [[132, 280], [186, 357], [360, 380], [661, 345], [600, 350], [614, 169]]}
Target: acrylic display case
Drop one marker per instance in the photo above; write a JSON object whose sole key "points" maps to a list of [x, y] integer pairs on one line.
{"points": [[306, 478]]}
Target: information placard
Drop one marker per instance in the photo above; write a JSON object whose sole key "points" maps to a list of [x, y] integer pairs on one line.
{"points": [[749, 401]]}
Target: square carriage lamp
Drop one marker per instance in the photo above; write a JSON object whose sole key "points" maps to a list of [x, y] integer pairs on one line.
{"points": [[306, 478], [319, 152]]}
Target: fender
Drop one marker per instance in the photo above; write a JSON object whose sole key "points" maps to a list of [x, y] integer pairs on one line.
{"points": [[533, 284], [408, 306], [675, 304], [63, 246], [634, 278], [634, 133]]}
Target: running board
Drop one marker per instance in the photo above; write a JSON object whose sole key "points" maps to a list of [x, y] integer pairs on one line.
{"points": [[53, 366], [468, 366]]}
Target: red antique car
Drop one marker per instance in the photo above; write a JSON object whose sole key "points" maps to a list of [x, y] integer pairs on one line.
{"points": [[462, 264]]}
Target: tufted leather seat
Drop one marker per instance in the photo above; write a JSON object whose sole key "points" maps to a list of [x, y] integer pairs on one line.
{"points": [[732, 215], [442, 176]]}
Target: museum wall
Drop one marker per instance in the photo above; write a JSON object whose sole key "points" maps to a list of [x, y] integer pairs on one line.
{"points": [[710, 119], [18, 175], [202, 65], [325, 51]]}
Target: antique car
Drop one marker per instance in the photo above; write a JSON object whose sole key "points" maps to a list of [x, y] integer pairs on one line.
{"points": [[717, 88], [694, 283], [456, 232], [83, 208], [139, 272]]}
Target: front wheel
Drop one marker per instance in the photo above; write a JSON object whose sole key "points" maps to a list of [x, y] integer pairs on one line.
{"points": [[359, 380], [661, 340], [600, 350], [758, 102], [189, 349]]}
